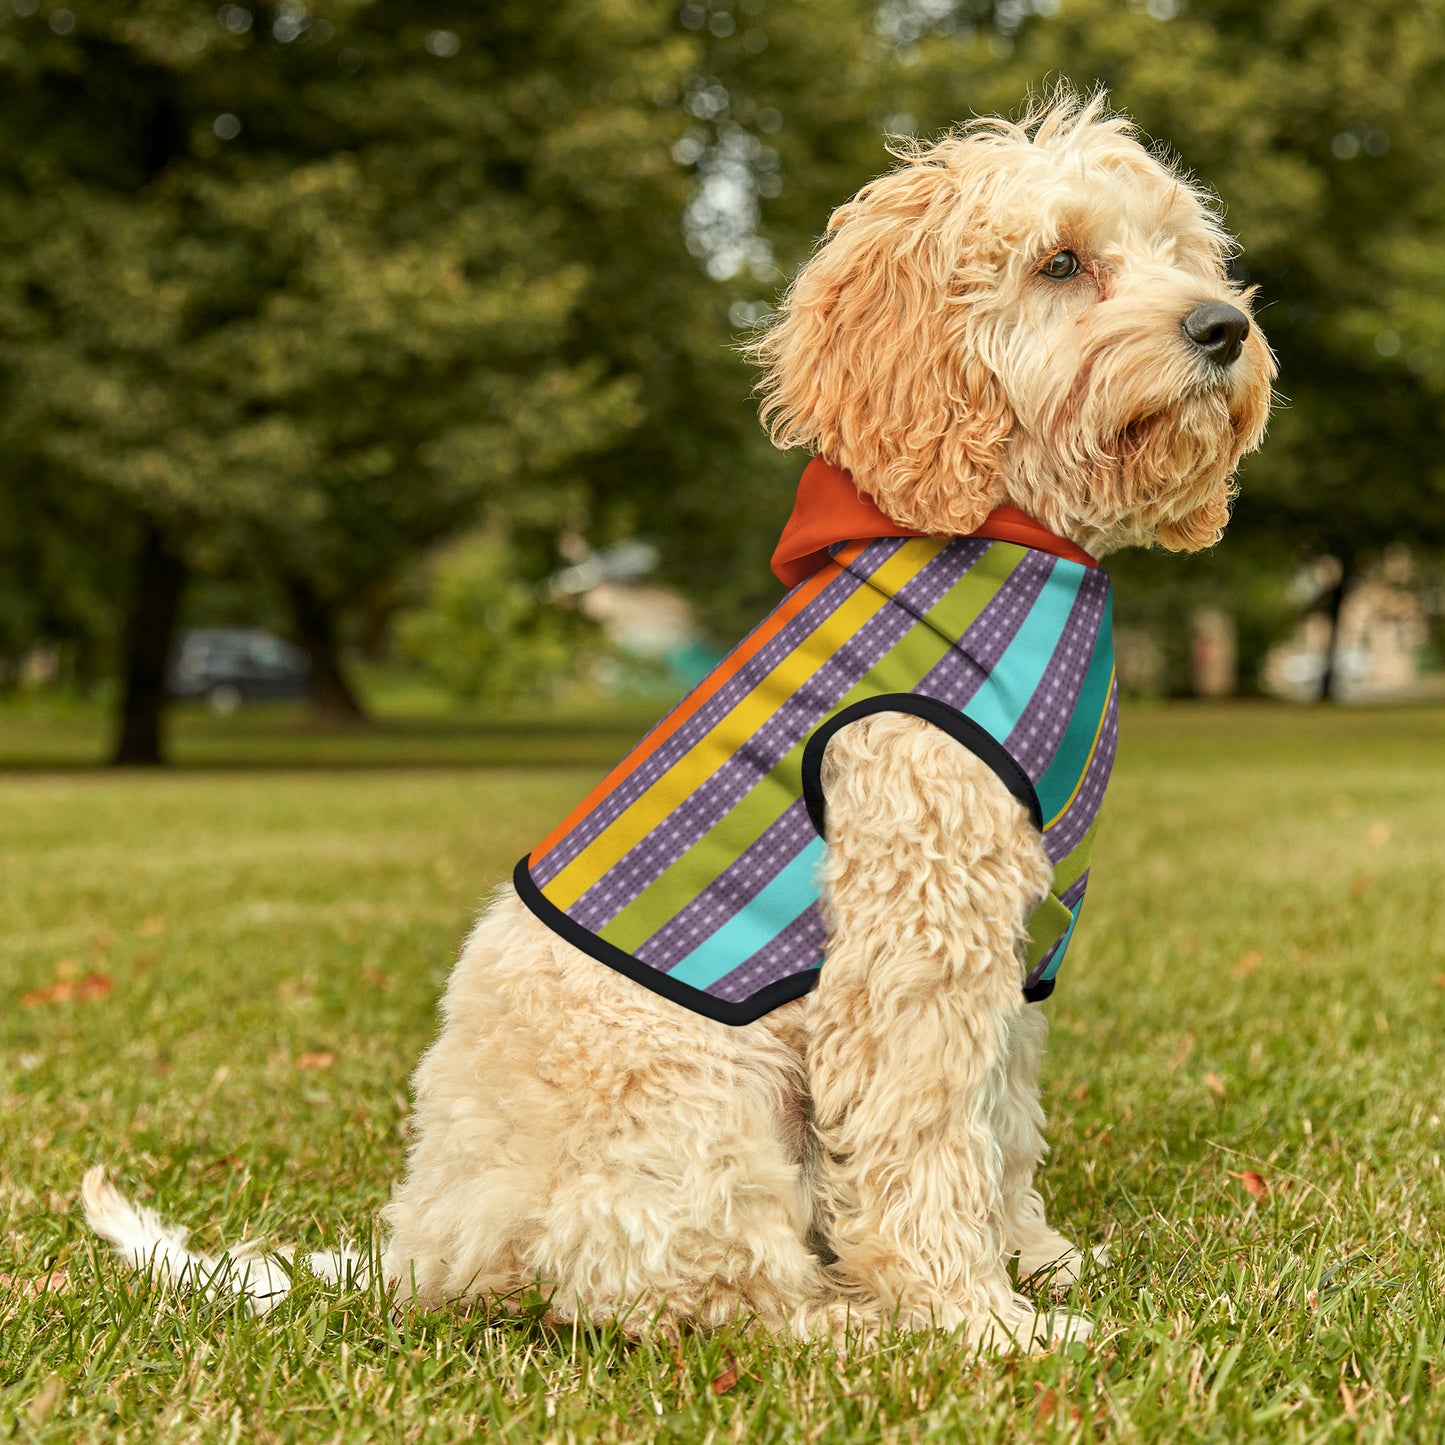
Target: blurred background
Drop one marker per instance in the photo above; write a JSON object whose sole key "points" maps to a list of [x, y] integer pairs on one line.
{"points": [[371, 361]]}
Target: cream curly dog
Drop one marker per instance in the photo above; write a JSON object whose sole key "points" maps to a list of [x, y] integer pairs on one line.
{"points": [[1031, 316]]}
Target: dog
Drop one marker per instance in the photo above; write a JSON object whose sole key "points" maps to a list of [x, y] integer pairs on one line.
{"points": [[1020, 344]]}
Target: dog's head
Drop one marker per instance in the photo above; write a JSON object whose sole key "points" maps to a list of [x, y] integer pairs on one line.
{"points": [[1036, 313]]}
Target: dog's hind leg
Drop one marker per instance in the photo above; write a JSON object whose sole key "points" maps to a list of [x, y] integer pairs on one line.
{"points": [[932, 869], [576, 1134]]}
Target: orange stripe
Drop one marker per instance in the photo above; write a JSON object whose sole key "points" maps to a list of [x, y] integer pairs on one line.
{"points": [[708, 688]]}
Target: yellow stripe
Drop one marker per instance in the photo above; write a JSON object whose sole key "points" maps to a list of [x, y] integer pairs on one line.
{"points": [[712, 751], [1093, 748]]}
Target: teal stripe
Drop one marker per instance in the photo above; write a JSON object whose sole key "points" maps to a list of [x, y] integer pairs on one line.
{"points": [[1062, 775], [790, 894], [1062, 947], [1000, 702]]}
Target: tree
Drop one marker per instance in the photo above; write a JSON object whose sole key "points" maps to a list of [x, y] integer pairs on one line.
{"points": [[302, 281]]}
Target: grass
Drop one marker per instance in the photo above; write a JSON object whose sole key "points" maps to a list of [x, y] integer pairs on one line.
{"points": [[1257, 987]]}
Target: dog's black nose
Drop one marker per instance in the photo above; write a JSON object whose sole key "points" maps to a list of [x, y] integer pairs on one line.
{"points": [[1217, 330]]}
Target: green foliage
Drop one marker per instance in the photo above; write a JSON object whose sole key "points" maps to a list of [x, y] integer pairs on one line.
{"points": [[485, 634], [313, 290], [1246, 921], [322, 285]]}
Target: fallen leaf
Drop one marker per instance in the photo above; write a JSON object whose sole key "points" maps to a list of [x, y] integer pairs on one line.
{"points": [[1377, 834], [321, 1059], [46, 1398], [1255, 1184], [1046, 1408], [1247, 964], [81, 990], [151, 927], [56, 993], [56, 1282], [377, 979], [1214, 1083], [1080, 1094], [1440, 980], [1360, 885], [724, 1382]]}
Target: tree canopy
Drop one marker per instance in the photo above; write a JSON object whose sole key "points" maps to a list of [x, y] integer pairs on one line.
{"points": [[305, 288]]}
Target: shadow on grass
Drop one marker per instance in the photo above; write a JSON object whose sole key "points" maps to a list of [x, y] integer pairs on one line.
{"points": [[278, 737]]}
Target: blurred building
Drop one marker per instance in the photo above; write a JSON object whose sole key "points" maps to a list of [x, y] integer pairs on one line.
{"points": [[657, 644], [1382, 647]]}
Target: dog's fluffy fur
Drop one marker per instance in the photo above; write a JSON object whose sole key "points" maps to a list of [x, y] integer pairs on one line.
{"points": [[864, 1155]]}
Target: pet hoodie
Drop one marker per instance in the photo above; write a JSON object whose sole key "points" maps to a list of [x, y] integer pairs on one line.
{"points": [[692, 868]]}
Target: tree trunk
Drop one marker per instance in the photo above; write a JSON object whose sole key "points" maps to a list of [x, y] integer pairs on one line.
{"points": [[150, 629], [1329, 676], [333, 699]]}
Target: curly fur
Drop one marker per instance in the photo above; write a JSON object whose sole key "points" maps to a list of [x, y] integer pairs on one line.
{"points": [[921, 349], [865, 1155]]}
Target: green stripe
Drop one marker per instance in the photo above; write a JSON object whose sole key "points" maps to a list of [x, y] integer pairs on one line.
{"points": [[1051, 919], [900, 669], [1047, 924], [1071, 867]]}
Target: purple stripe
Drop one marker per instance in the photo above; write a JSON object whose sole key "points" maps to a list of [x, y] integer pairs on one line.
{"points": [[1061, 839], [753, 869], [961, 671], [717, 795], [1041, 727], [960, 557], [797, 948], [627, 792]]}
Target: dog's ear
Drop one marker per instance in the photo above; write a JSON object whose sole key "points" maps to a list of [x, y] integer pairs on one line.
{"points": [[873, 362]]}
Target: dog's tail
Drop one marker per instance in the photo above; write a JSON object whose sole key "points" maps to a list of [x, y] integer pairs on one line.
{"points": [[148, 1244]]}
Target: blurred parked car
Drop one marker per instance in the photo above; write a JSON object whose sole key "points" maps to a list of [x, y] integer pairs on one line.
{"points": [[230, 665]]}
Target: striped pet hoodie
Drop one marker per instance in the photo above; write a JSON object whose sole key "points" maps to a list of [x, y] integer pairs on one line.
{"points": [[692, 867]]}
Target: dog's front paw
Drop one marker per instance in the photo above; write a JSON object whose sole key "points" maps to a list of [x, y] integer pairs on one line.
{"points": [[1057, 1267], [1023, 1326]]}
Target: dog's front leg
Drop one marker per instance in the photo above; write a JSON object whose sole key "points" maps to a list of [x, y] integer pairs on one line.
{"points": [[1019, 1127], [932, 869]]}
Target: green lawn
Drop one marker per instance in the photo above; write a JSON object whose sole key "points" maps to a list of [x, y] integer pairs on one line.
{"points": [[1259, 985]]}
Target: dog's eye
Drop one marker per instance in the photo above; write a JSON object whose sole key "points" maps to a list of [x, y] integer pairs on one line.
{"points": [[1060, 266]]}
